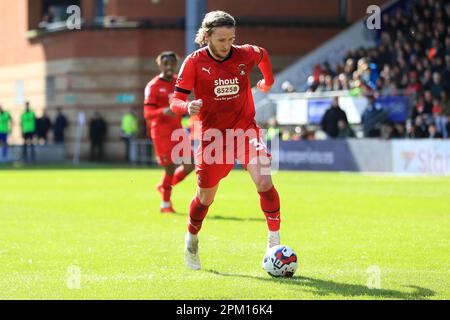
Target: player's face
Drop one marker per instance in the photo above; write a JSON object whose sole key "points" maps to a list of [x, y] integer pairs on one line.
{"points": [[168, 67], [220, 41]]}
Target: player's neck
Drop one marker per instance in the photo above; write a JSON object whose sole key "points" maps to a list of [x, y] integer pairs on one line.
{"points": [[167, 78], [214, 56], [211, 54]]}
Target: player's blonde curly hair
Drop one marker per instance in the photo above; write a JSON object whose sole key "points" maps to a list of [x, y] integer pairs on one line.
{"points": [[212, 20]]}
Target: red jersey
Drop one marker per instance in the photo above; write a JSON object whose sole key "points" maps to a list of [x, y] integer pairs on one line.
{"points": [[224, 86], [158, 94]]}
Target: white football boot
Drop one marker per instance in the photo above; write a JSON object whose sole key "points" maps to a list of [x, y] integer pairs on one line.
{"points": [[273, 239], [191, 257]]}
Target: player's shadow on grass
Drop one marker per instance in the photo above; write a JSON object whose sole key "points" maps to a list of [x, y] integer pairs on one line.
{"points": [[217, 217], [327, 287]]}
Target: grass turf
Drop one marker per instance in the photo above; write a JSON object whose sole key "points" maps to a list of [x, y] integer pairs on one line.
{"points": [[104, 224]]}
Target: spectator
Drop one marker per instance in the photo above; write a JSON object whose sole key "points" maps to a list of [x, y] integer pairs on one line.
{"points": [[331, 118], [345, 131], [419, 108], [59, 127], [55, 13], [445, 104], [5, 130], [427, 80], [436, 86], [447, 69], [433, 133], [48, 17], [297, 135], [399, 131], [428, 104], [285, 135], [387, 130], [43, 125], [287, 87], [413, 86], [419, 130], [28, 125], [273, 129], [97, 135], [129, 130], [343, 82], [447, 129], [438, 118], [372, 118]]}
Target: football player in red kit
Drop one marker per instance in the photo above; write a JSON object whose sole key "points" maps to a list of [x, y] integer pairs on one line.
{"points": [[161, 123], [218, 73]]}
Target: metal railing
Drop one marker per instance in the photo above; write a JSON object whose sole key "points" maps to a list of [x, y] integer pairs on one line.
{"points": [[141, 151]]}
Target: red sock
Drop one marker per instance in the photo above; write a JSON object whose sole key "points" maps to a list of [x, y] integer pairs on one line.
{"points": [[166, 184], [197, 212], [179, 175], [270, 204]]}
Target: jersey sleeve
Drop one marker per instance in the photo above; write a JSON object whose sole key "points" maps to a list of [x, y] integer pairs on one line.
{"points": [[254, 54], [259, 56], [186, 79], [150, 95], [151, 109]]}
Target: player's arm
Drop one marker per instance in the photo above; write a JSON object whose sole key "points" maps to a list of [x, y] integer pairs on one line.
{"points": [[265, 66], [11, 123], [151, 110], [183, 87], [181, 106]]}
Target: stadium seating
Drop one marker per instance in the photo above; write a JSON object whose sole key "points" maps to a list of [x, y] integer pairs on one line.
{"points": [[411, 58]]}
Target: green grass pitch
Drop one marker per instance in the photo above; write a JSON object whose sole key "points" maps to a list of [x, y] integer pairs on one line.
{"points": [[96, 233]]}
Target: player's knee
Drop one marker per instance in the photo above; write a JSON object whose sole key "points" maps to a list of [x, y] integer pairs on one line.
{"points": [[263, 184], [205, 198]]}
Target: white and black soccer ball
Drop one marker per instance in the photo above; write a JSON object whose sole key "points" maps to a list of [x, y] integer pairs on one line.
{"points": [[280, 261]]}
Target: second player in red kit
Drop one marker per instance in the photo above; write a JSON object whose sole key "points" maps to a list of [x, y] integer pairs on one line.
{"points": [[161, 123]]}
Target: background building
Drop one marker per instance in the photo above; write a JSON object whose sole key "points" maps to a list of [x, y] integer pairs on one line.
{"points": [[105, 65]]}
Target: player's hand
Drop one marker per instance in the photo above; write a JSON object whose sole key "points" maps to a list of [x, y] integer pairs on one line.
{"points": [[168, 112], [194, 107], [262, 86]]}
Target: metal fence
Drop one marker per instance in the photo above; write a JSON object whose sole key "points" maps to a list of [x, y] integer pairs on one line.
{"points": [[141, 151]]}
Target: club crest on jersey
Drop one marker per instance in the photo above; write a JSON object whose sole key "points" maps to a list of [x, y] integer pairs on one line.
{"points": [[241, 69], [226, 87]]}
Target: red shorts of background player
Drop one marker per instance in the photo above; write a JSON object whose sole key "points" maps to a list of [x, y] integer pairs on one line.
{"points": [[214, 164], [170, 151]]}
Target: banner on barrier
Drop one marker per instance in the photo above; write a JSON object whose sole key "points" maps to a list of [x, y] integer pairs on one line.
{"points": [[396, 106], [427, 156], [299, 111], [316, 109], [421, 157], [316, 155]]}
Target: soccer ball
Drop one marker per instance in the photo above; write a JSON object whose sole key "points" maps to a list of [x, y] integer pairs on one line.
{"points": [[280, 261]]}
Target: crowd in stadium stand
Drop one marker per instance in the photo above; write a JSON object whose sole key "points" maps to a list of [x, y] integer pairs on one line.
{"points": [[412, 58]]}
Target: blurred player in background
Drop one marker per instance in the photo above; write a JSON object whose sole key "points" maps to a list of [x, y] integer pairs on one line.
{"points": [[219, 75], [161, 122], [5, 130]]}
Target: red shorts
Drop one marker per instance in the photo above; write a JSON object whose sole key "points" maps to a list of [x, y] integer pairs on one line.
{"points": [[170, 151], [215, 159]]}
